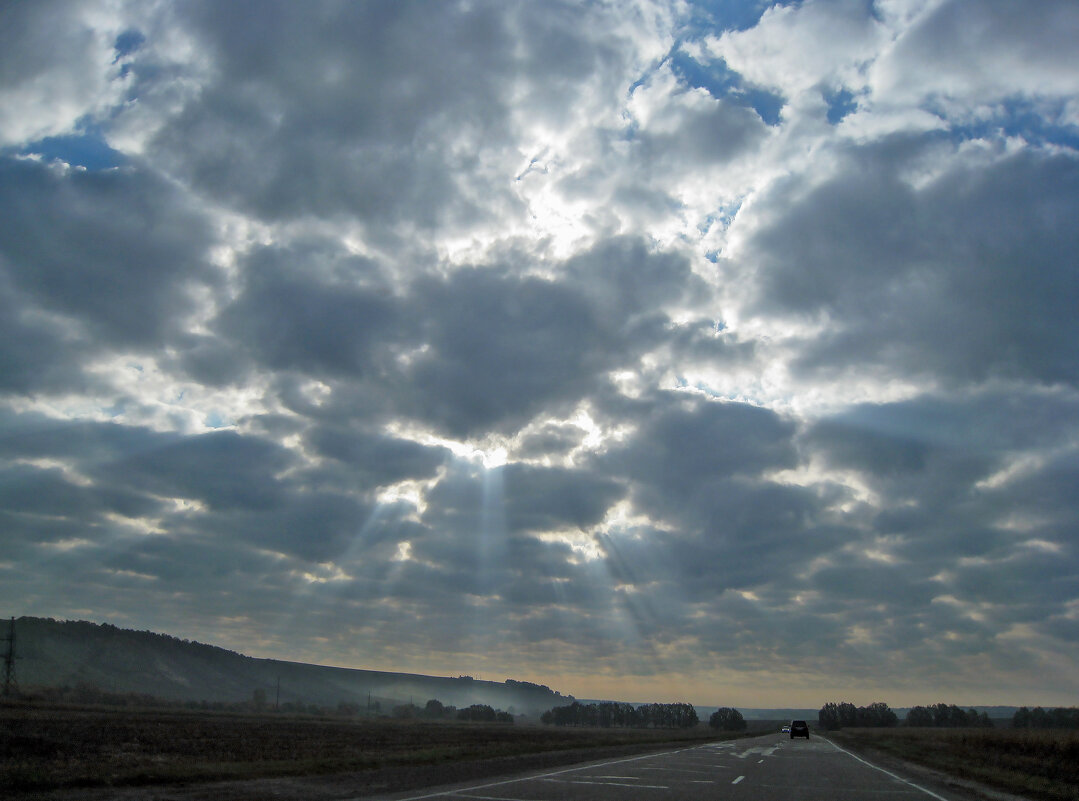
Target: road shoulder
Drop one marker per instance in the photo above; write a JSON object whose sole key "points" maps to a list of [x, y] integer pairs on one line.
{"points": [[929, 778]]}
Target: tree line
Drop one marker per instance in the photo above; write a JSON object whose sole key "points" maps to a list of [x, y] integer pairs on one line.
{"points": [[436, 710], [1038, 718], [833, 716], [613, 714], [947, 716]]}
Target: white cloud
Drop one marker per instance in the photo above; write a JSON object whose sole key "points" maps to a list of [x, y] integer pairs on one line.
{"points": [[42, 95]]}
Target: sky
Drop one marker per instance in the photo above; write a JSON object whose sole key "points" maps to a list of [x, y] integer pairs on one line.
{"points": [[719, 352]]}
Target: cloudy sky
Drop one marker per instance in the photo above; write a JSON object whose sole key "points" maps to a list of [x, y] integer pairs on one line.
{"points": [[724, 352]]}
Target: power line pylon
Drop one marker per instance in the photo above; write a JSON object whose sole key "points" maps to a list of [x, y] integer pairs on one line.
{"points": [[11, 683]]}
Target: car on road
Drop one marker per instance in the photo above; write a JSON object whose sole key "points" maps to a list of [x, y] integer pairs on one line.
{"points": [[786, 729], [799, 728]]}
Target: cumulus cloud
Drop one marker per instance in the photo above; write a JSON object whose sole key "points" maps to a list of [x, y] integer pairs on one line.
{"points": [[606, 346]]}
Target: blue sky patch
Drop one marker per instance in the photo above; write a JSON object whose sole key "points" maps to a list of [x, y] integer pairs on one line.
{"points": [[840, 103], [128, 42], [86, 149], [723, 83], [1027, 120], [724, 15]]}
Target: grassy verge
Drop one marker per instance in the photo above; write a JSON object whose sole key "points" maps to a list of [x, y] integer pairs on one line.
{"points": [[1042, 764], [54, 748]]}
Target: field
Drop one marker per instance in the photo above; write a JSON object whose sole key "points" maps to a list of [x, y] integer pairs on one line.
{"points": [[67, 747], [1041, 764]]}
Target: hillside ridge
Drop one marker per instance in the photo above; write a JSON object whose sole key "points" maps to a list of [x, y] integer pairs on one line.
{"points": [[54, 653]]}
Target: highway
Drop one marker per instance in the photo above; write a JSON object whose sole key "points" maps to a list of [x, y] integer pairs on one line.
{"points": [[767, 768]]}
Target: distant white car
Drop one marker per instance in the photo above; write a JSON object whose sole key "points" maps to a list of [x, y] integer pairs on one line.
{"points": [[786, 730]]}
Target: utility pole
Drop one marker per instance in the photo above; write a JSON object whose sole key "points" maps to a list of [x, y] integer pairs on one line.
{"points": [[11, 684]]}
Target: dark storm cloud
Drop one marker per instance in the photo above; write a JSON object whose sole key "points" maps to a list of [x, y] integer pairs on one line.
{"points": [[992, 49], [116, 252], [703, 134], [501, 349], [552, 439], [37, 353], [521, 498], [695, 466], [27, 490], [310, 309], [378, 112], [222, 469], [315, 525], [378, 459], [479, 349], [1006, 546], [968, 278], [932, 450], [686, 443], [627, 281], [505, 346]]}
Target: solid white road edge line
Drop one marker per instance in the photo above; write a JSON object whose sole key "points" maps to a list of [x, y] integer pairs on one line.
{"points": [[882, 770]]}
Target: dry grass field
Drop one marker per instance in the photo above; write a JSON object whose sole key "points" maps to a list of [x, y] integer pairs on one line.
{"points": [[67, 747], [1041, 764]]}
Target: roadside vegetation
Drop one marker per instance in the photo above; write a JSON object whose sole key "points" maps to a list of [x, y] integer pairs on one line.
{"points": [[1036, 754], [1037, 763], [54, 747]]}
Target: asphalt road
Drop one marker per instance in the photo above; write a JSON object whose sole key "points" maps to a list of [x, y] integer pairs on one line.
{"points": [[768, 768]]}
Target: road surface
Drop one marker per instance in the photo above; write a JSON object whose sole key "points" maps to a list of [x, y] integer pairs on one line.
{"points": [[768, 768]]}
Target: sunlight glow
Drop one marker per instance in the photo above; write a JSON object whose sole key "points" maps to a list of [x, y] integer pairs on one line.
{"points": [[582, 544], [327, 572], [67, 545], [411, 493], [131, 574]]}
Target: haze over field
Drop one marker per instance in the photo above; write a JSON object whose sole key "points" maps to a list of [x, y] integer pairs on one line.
{"points": [[713, 352]]}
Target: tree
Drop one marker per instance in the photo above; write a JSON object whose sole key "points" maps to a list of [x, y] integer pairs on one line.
{"points": [[919, 716], [848, 714], [434, 709], [879, 715], [828, 717], [727, 719], [477, 712]]}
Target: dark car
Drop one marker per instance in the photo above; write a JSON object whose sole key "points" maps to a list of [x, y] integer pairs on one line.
{"points": [[799, 728]]}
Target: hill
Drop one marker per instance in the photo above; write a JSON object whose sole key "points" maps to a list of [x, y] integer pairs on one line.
{"points": [[55, 653]]}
